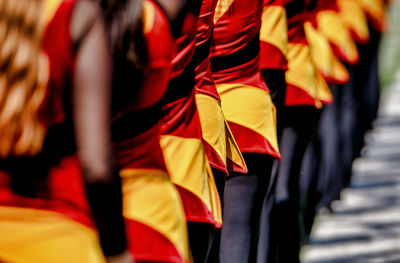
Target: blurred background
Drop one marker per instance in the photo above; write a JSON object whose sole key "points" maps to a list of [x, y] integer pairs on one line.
{"points": [[365, 224]]}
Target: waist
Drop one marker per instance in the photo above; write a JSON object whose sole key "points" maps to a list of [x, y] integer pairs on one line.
{"points": [[142, 151], [249, 52], [131, 124], [61, 191], [205, 81]]}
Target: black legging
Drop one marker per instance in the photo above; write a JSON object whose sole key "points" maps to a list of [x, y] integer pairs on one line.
{"points": [[299, 127], [204, 239], [276, 82], [243, 200], [275, 79]]}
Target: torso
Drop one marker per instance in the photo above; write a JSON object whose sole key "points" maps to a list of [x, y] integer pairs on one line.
{"points": [[235, 47]]}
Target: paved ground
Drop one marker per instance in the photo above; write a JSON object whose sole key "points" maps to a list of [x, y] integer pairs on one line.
{"points": [[365, 227]]}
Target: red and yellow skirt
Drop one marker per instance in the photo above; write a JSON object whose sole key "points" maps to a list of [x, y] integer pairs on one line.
{"points": [[154, 216], [273, 36], [354, 18], [35, 235], [54, 229], [219, 144], [301, 77], [332, 26], [323, 58], [251, 117], [189, 169]]}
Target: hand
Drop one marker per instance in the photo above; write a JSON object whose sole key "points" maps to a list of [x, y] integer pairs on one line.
{"points": [[124, 257]]}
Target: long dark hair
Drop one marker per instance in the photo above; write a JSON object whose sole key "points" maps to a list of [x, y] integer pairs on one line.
{"points": [[123, 19]]}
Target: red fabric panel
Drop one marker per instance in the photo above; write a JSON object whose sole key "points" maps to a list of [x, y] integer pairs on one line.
{"points": [[297, 96], [141, 152], [272, 57], [67, 193], [182, 119], [147, 244], [195, 209], [250, 141], [214, 159]]}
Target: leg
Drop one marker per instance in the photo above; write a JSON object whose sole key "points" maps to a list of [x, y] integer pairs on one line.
{"points": [[243, 199], [300, 122], [276, 82], [213, 253], [200, 237], [331, 177], [310, 178]]}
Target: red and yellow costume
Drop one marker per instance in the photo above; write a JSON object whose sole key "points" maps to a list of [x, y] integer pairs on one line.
{"points": [[154, 215], [355, 20], [330, 23], [235, 58], [301, 78], [56, 227], [328, 66], [375, 11], [219, 144], [273, 36], [181, 136]]}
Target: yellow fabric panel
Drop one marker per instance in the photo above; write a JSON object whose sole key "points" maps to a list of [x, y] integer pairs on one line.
{"points": [[50, 9], [233, 150], [376, 9], [222, 7], [331, 25], [189, 168], [39, 236], [301, 71], [250, 107], [148, 17], [152, 199], [322, 55], [354, 17], [215, 201], [274, 27], [215, 129], [323, 91], [339, 70]]}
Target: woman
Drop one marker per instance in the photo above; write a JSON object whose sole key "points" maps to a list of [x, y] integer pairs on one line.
{"points": [[182, 140], [301, 107], [153, 212], [220, 146], [47, 142], [248, 108], [273, 65]]}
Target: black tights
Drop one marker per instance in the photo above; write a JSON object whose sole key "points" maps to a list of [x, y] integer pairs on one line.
{"points": [[243, 199], [299, 127], [204, 239]]}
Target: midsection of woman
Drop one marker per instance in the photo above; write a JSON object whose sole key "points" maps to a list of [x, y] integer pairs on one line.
{"points": [[181, 135], [155, 220], [219, 143], [235, 65], [44, 213]]}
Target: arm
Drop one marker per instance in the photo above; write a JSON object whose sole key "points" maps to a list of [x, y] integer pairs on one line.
{"points": [[91, 106]]}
